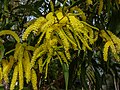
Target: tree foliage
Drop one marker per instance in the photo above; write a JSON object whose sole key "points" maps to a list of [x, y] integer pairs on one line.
{"points": [[66, 45]]}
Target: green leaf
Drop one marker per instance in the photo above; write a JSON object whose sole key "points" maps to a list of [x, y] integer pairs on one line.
{"points": [[2, 50], [6, 5], [66, 74], [52, 6], [83, 75]]}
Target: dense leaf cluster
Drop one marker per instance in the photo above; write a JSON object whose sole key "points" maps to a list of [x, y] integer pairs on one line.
{"points": [[57, 44]]}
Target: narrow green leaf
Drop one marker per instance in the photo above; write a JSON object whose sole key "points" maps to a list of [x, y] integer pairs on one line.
{"points": [[83, 75], [2, 50], [9, 51], [52, 6], [6, 5], [66, 75], [63, 8]]}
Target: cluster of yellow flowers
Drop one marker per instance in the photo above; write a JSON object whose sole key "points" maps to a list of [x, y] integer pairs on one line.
{"points": [[22, 67], [113, 42], [58, 34]]}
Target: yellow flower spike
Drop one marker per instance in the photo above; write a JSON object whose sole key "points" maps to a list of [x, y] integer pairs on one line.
{"points": [[17, 50], [67, 53], [4, 65], [83, 45], [53, 42], [75, 37], [41, 37], [112, 41], [28, 30], [64, 39], [105, 50], [77, 41], [10, 64], [39, 22], [65, 43], [50, 16], [49, 33], [35, 27], [69, 33], [14, 78], [7, 68], [78, 27], [84, 41], [40, 62], [47, 62], [27, 66], [34, 80], [21, 83], [4, 32], [47, 25], [76, 24], [70, 41], [112, 46], [116, 41], [114, 51], [91, 35], [41, 50], [104, 35], [20, 68], [6, 79]]}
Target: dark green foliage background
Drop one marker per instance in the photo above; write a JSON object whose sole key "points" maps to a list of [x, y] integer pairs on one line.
{"points": [[87, 70]]}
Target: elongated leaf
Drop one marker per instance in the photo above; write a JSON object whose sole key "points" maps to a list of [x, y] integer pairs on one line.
{"points": [[83, 76], [66, 74], [2, 50], [52, 6]]}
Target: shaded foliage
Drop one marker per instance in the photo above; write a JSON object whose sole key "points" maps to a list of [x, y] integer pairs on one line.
{"points": [[87, 69]]}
